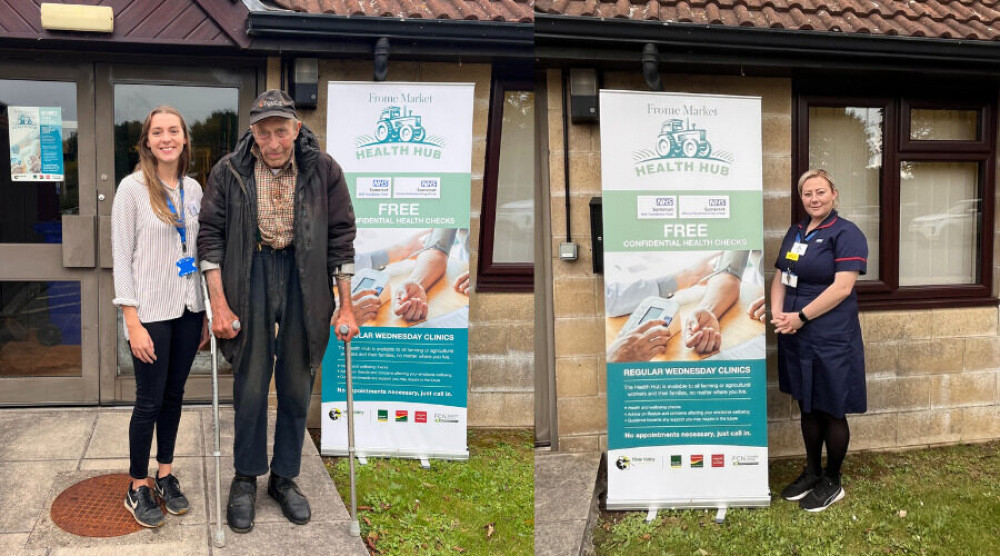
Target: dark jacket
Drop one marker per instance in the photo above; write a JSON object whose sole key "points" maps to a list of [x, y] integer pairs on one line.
{"points": [[324, 234]]}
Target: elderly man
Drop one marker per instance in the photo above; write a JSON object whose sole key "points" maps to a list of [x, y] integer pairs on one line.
{"points": [[277, 231]]}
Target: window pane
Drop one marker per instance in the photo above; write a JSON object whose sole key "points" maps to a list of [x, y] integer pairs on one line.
{"points": [[939, 220], [31, 209], [847, 143], [209, 112], [40, 329], [944, 125], [513, 240]]}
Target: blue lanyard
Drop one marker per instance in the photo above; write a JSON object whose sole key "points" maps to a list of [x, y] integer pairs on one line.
{"points": [[798, 234], [181, 228]]}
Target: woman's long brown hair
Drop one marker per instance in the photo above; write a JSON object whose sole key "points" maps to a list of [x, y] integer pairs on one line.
{"points": [[147, 164]]}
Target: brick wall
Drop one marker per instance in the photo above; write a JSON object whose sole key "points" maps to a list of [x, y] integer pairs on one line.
{"points": [[932, 375], [501, 339]]}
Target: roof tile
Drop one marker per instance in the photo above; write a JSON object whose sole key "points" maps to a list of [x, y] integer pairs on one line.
{"points": [[955, 19], [514, 11]]}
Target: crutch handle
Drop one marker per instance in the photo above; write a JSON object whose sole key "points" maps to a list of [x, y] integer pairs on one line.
{"points": [[344, 331]]}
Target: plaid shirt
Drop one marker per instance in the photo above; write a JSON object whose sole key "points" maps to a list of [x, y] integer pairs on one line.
{"points": [[275, 201]]}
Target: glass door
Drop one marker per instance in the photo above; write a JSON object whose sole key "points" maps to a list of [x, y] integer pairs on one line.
{"points": [[49, 299], [214, 105]]}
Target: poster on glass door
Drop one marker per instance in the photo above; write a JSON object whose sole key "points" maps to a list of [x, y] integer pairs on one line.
{"points": [[406, 152], [683, 236], [36, 144]]}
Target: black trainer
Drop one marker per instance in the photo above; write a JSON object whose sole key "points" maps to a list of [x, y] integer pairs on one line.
{"points": [[825, 492], [293, 503], [169, 490], [143, 507], [801, 486], [242, 497]]}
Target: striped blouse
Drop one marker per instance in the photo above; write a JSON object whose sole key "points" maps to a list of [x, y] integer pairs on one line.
{"points": [[146, 250]]}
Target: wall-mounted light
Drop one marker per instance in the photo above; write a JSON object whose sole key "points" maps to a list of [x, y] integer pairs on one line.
{"points": [[305, 82], [583, 87], [74, 17]]}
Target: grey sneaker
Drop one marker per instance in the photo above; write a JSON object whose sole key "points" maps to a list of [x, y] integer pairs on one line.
{"points": [[169, 490], [143, 507]]}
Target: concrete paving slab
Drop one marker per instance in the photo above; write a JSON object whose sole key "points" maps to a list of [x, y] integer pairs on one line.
{"points": [[190, 541], [44, 435], [14, 544], [268, 539], [26, 487], [564, 485], [110, 438], [558, 538]]}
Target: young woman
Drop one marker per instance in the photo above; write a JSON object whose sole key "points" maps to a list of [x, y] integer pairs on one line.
{"points": [[157, 286], [821, 357]]}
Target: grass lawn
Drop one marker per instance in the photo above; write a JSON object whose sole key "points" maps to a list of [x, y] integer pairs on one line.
{"points": [[481, 506], [936, 501]]}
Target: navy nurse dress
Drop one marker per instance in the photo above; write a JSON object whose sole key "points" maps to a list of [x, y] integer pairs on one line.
{"points": [[823, 364]]}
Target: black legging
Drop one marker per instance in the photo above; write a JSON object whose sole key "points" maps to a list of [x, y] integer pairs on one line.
{"points": [[819, 428]]}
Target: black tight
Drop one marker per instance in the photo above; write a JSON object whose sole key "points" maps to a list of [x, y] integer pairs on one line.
{"points": [[820, 428]]}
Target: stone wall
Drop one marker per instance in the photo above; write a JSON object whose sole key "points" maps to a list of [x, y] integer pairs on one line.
{"points": [[932, 375], [501, 340]]}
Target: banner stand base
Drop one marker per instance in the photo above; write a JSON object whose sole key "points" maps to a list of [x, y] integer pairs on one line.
{"points": [[425, 463], [720, 515], [651, 515]]}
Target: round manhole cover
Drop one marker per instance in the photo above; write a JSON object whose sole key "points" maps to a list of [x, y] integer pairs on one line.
{"points": [[95, 508]]}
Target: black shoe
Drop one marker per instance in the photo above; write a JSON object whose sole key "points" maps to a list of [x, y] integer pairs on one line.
{"points": [[143, 507], [240, 510], [293, 503], [825, 493], [169, 490], [801, 486]]}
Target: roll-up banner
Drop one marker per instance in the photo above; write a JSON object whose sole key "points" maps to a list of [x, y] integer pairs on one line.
{"points": [[683, 237], [406, 152]]}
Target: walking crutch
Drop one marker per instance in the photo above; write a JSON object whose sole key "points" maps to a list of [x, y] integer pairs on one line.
{"points": [[355, 529], [220, 534]]}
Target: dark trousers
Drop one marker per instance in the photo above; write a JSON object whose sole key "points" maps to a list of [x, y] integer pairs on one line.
{"points": [[275, 299], [159, 390]]}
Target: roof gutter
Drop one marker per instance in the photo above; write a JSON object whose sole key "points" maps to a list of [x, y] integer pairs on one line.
{"points": [[487, 38], [567, 38]]}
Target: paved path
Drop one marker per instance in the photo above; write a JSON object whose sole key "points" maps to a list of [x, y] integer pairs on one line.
{"points": [[44, 451], [565, 503]]}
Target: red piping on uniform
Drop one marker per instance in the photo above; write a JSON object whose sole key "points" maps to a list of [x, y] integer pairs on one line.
{"points": [[850, 259]]}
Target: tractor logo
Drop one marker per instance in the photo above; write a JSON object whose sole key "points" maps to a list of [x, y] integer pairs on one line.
{"points": [[401, 126], [682, 139], [679, 138]]}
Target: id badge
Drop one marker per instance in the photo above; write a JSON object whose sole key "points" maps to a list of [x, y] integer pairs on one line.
{"points": [[792, 256], [789, 279], [799, 248], [186, 266]]}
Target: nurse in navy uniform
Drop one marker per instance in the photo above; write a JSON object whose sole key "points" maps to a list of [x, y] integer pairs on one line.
{"points": [[821, 360]]}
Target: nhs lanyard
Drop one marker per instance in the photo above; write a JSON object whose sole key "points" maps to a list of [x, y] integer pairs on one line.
{"points": [[181, 227], [798, 234]]}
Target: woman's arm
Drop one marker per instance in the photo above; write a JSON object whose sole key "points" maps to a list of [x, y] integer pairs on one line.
{"points": [[833, 295]]}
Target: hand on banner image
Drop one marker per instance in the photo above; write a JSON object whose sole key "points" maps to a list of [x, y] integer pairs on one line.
{"points": [[463, 283], [367, 304], [758, 309], [702, 331], [141, 344], [409, 301], [641, 344]]}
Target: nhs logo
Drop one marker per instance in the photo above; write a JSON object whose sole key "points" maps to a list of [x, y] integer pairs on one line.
{"points": [[656, 206], [373, 188]]}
